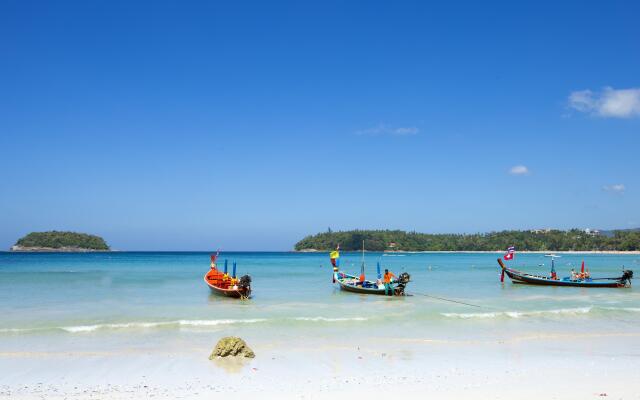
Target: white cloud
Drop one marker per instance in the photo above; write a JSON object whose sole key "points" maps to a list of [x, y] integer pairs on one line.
{"points": [[616, 188], [411, 130], [582, 100], [519, 170], [383, 129], [610, 103]]}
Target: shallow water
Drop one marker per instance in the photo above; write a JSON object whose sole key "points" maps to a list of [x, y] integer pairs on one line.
{"points": [[70, 296]]}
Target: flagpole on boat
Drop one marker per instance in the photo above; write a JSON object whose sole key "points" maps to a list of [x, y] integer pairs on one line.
{"points": [[553, 259], [362, 266]]}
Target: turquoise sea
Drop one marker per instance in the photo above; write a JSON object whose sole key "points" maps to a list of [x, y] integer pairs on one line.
{"points": [[71, 297]]}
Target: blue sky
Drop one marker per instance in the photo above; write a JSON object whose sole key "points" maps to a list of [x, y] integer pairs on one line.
{"points": [[247, 125]]}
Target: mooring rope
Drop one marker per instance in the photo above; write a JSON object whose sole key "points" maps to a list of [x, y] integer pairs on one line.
{"points": [[449, 300]]}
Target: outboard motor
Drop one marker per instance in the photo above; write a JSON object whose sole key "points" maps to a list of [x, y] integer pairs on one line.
{"points": [[627, 274], [403, 279], [244, 282]]}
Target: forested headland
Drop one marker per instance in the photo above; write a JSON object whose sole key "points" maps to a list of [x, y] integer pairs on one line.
{"points": [[532, 240]]}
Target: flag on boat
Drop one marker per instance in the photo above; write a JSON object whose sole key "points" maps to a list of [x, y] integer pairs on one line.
{"points": [[335, 261], [335, 256], [214, 257], [510, 253]]}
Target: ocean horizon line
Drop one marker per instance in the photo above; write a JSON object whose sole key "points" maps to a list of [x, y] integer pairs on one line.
{"points": [[630, 252]]}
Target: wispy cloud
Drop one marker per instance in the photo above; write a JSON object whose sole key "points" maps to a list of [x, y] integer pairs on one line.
{"points": [[519, 170], [616, 188], [609, 103], [384, 129], [411, 130]]}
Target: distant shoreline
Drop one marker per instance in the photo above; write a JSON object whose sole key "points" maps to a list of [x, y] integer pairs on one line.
{"points": [[20, 249], [69, 250], [480, 251]]}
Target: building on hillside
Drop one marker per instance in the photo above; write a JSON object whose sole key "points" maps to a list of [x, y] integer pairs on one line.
{"points": [[547, 230]]}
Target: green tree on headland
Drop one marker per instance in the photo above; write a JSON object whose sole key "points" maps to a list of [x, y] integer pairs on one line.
{"points": [[59, 240], [536, 240]]}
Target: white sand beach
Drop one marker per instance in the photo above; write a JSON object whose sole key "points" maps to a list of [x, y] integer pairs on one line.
{"points": [[530, 366]]}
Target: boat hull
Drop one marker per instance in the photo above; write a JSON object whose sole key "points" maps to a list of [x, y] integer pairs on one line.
{"points": [[227, 292], [527, 279], [349, 287], [233, 293], [360, 289]]}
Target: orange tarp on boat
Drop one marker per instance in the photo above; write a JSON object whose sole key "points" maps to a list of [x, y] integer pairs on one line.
{"points": [[216, 278]]}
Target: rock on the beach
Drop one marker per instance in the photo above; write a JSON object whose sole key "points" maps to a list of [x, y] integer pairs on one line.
{"points": [[231, 346]]}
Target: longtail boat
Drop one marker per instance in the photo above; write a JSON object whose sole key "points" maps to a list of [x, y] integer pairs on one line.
{"points": [[223, 284], [530, 279], [360, 285], [352, 284]]}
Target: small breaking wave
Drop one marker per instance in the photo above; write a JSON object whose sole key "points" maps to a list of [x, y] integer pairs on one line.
{"points": [[214, 322], [20, 330], [149, 325], [324, 319], [175, 324], [91, 328], [628, 309], [521, 314]]}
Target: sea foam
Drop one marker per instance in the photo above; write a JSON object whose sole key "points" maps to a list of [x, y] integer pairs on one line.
{"points": [[521, 314], [203, 323], [325, 319], [148, 325]]}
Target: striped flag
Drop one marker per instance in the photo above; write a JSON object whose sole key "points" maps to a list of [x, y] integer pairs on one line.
{"points": [[511, 251], [214, 257]]}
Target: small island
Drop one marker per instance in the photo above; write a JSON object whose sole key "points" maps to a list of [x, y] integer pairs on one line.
{"points": [[60, 242]]}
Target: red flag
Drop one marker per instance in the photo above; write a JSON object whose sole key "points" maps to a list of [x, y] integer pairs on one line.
{"points": [[214, 257], [510, 252], [582, 269]]}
